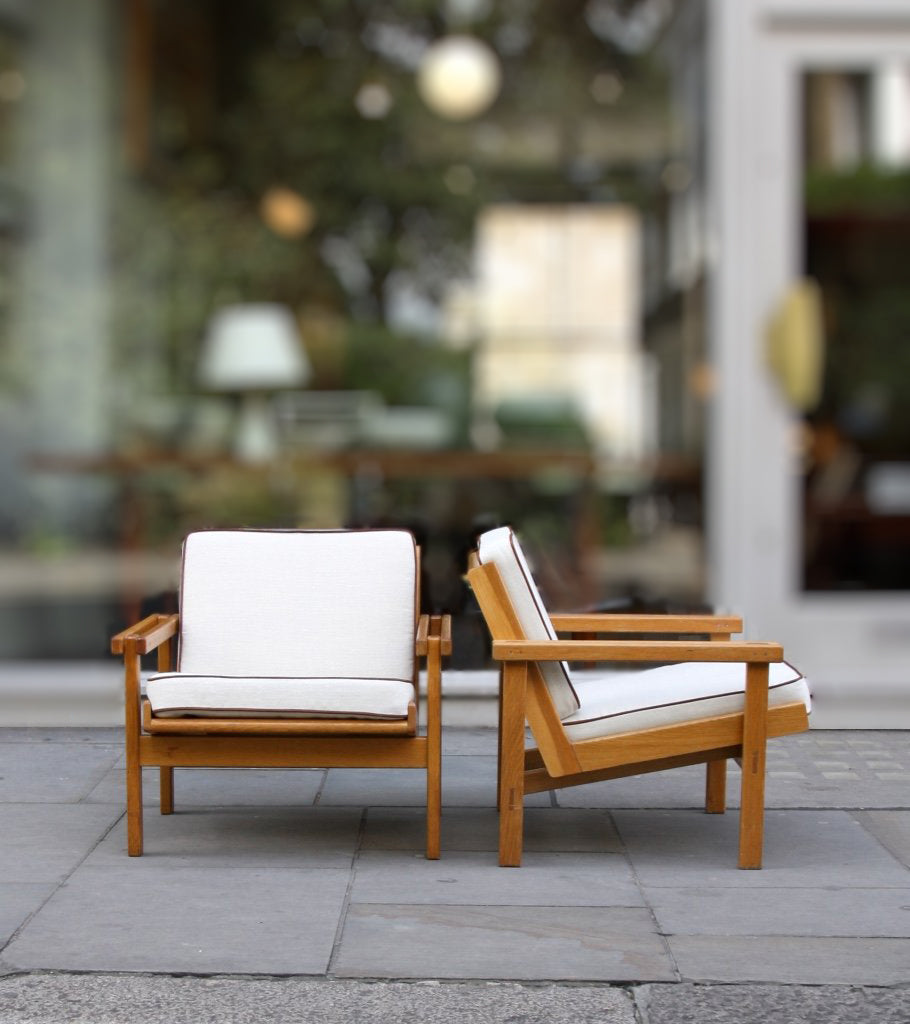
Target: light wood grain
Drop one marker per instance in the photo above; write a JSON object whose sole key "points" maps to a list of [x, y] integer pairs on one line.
{"points": [[225, 742], [559, 761]]}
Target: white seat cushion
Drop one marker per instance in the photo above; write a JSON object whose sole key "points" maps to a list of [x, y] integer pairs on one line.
{"points": [[179, 694], [501, 548], [626, 701]]}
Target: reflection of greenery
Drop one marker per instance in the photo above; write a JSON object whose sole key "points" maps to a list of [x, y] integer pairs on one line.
{"points": [[231, 498], [858, 246], [409, 371], [277, 108], [867, 189]]}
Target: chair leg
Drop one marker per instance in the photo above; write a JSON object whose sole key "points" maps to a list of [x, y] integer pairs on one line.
{"points": [[716, 787], [133, 807], [499, 741], [133, 767], [755, 735], [511, 764], [167, 790], [434, 807], [434, 740], [434, 778]]}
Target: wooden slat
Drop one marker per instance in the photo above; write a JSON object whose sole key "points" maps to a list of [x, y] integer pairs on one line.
{"points": [[537, 780], [634, 650], [782, 721], [706, 734], [439, 626], [146, 635], [291, 752], [278, 726], [608, 622]]}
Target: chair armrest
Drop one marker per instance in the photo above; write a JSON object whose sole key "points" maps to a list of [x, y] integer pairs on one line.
{"points": [[146, 635], [438, 626], [635, 650], [611, 622]]}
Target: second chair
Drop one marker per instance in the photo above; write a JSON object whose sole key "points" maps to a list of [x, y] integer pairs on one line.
{"points": [[715, 700]]}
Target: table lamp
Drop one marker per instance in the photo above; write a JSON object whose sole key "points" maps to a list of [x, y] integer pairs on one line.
{"points": [[253, 350]]}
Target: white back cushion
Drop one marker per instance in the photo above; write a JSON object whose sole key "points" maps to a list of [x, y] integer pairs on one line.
{"points": [[500, 547], [299, 603]]}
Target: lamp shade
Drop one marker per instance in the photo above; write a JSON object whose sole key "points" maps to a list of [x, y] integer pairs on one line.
{"points": [[253, 347], [458, 77]]}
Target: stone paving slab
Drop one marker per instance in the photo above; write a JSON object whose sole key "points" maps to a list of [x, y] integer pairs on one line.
{"points": [[792, 961], [52, 772], [891, 829], [556, 830], [467, 781], [106, 736], [802, 849], [460, 878], [17, 902], [771, 1004], [820, 912], [103, 999], [160, 918], [534, 943], [268, 837], [211, 787], [43, 843], [263, 875]]}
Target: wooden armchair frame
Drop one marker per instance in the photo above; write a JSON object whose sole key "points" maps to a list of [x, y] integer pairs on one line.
{"points": [[167, 743], [558, 761]]}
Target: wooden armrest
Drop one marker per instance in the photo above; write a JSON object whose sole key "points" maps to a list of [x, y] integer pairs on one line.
{"points": [[148, 634], [635, 650], [610, 622], [434, 626]]}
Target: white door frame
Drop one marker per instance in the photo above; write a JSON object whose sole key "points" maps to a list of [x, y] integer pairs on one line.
{"points": [[854, 647]]}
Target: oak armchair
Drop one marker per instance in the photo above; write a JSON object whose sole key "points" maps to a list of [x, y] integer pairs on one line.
{"points": [[294, 649], [715, 700]]}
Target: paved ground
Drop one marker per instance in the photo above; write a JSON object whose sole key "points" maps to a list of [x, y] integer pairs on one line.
{"points": [[303, 895]]}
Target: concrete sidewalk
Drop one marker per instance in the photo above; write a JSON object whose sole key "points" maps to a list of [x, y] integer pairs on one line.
{"points": [[268, 888]]}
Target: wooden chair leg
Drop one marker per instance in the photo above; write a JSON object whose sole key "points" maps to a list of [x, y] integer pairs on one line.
{"points": [[499, 740], [511, 764], [755, 735], [166, 775], [133, 808], [434, 743], [434, 807], [133, 767], [167, 790], [716, 787]]}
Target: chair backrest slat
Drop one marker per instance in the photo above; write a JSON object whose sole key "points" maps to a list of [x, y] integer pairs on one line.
{"points": [[299, 603]]}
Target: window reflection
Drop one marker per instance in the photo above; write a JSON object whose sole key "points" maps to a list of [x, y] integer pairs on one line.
{"points": [[857, 246], [224, 155]]}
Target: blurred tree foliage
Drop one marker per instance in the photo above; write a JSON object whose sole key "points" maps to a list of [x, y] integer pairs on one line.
{"points": [[250, 96]]}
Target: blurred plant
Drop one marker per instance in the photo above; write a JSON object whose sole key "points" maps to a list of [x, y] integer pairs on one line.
{"points": [[315, 100]]}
